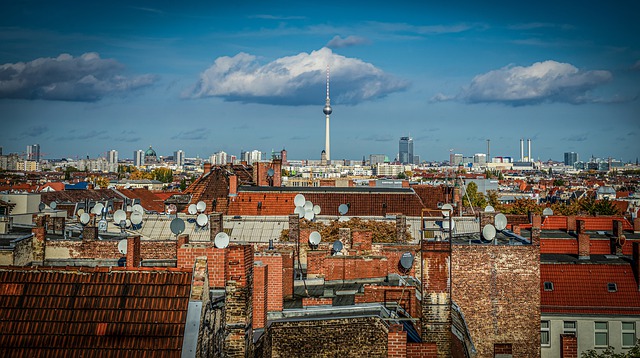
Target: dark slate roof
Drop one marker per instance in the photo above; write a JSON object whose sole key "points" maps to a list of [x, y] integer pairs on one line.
{"points": [[92, 312]]}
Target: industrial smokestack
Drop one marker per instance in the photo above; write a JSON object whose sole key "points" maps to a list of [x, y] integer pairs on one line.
{"points": [[521, 150], [529, 150]]}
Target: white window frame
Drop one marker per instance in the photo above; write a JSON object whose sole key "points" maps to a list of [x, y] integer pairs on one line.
{"points": [[546, 329], [629, 331], [597, 331], [573, 330]]}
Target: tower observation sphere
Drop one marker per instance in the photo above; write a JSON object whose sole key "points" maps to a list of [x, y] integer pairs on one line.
{"points": [[327, 109]]}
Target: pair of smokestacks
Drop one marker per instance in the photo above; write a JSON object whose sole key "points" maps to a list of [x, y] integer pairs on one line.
{"points": [[529, 157]]}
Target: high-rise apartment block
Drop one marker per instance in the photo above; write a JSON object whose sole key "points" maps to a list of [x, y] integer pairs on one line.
{"points": [[178, 157], [570, 158], [138, 158], [33, 152], [406, 150]]}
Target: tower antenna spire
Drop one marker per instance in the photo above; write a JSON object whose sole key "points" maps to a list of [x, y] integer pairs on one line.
{"points": [[327, 111]]}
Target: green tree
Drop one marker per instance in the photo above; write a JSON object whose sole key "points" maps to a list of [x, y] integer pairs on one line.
{"points": [[523, 207], [610, 353], [558, 182], [473, 198], [68, 170], [183, 184], [401, 176], [606, 207], [164, 175]]}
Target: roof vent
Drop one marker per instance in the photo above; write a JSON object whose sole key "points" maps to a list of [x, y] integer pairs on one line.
{"points": [[548, 286], [612, 287]]}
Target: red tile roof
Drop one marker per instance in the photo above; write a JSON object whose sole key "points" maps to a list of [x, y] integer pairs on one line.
{"points": [[106, 312], [56, 186], [582, 289], [148, 199], [592, 223]]}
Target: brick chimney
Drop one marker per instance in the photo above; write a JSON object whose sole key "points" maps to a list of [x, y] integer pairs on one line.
{"points": [[38, 243], [182, 239], [401, 228], [215, 225], [571, 223], [238, 297], [536, 229], [618, 238], [568, 346], [260, 294], [584, 251], [133, 251], [396, 342], [436, 300], [294, 228], [207, 168], [344, 235], [636, 262], [636, 225], [233, 185]]}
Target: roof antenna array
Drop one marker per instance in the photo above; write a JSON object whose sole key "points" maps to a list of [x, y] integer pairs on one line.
{"points": [[305, 208]]}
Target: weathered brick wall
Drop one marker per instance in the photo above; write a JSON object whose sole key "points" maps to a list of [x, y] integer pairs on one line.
{"points": [[404, 295], [569, 346], [157, 250], [362, 240], [498, 291], [316, 301], [396, 342], [352, 337], [23, 251], [216, 261], [107, 249], [422, 350], [276, 281], [260, 294], [238, 301], [436, 299], [319, 264]]}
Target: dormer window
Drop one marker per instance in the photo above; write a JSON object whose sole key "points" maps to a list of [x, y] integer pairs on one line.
{"points": [[548, 286], [612, 287]]}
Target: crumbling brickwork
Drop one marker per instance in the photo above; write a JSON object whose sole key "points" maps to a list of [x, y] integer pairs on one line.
{"points": [[238, 340]]}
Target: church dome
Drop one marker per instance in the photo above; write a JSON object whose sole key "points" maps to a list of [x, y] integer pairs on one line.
{"points": [[150, 152]]}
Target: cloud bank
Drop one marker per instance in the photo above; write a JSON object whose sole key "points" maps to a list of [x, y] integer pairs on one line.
{"points": [[294, 80], [339, 42], [547, 81], [86, 78]]}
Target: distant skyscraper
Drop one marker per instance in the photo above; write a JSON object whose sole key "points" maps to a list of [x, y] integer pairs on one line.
{"points": [[112, 156], [33, 152], [377, 158], [570, 158], [252, 156], [178, 157], [218, 158], [327, 112], [138, 158], [406, 150]]}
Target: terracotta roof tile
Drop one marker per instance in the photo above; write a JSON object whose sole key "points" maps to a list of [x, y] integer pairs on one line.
{"points": [[148, 199]]}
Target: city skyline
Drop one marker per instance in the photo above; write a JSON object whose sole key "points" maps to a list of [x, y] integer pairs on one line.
{"points": [[85, 78]]}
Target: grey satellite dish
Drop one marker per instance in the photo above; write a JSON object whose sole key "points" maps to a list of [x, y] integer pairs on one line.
{"points": [[316, 209], [119, 216], [201, 206], [489, 209], [122, 224], [97, 209], [138, 208], [41, 206], [300, 211], [270, 172], [447, 209], [489, 232], [500, 222], [84, 218], [445, 225], [308, 205], [192, 209], [221, 240], [299, 200], [406, 261], [314, 238], [136, 218], [202, 220], [343, 209], [308, 215], [53, 205], [547, 212], [177, 226], [337, 246], [122, 246]]}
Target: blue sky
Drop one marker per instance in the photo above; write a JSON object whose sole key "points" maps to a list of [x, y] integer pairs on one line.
{"points": [[81, 78]]}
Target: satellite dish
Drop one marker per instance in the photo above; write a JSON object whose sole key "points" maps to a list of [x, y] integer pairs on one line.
{"points": [[202, 220], [299, 200], [221, 240], [119, 216], [406, 261], [192, 209], [337, 246], [136, 218], [447, 209], [97, 209], [308, 215], [308, 205], [314, 238], [138, 208], [128, 222], [489, 209], [500, 222], [547, 212], [80, 212], [122, 246], [53, 205], [41, 206], [270, 172], [84, 218], [343, 209], [489, 232], [300, 211], [445, 225], [201, 206], [122, 224], [177, 226], [316, 209]]}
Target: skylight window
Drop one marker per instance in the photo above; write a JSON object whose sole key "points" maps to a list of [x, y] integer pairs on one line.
{"points": [[548, 286], [612, 287]]}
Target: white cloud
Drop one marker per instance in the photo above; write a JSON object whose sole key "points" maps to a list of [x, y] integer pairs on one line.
{"points": [[339, 42], [547, 81], [294, 80], [66, 78]]}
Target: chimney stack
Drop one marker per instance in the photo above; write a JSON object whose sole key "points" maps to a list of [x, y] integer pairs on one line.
{"points": [[529, 150], [618, 238], [584, 251], [133, 251], [521, 150], [536, 229]]}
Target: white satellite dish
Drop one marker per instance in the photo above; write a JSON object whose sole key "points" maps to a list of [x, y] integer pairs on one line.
{"points": [[97, 209], [500, 222], [201, 206], [308, 205], [299, 200], [445, 225], [128, 223], [316, 209], [221, 240], [299, 210], [489, 209], [447, 209], [547, 212], [53, 205], [314, 238], [136, 218], [489, 232], [308, 215], [138, 208], [202, 220], [122, 246], [118, 216], [80, 212], [343, 209], [192, 209], [84, 218]]}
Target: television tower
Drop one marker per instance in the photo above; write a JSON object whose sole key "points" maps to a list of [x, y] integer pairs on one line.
{"points": [[327, 111]]}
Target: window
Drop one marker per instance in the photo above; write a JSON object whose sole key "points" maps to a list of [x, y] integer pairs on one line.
{"points": [[628, 334], [612, 287], [548, 286], [601, 334], [545, 334], [570, 327]]}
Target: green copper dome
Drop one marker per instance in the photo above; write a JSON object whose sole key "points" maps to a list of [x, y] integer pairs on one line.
{"points": [[150, 152]]}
